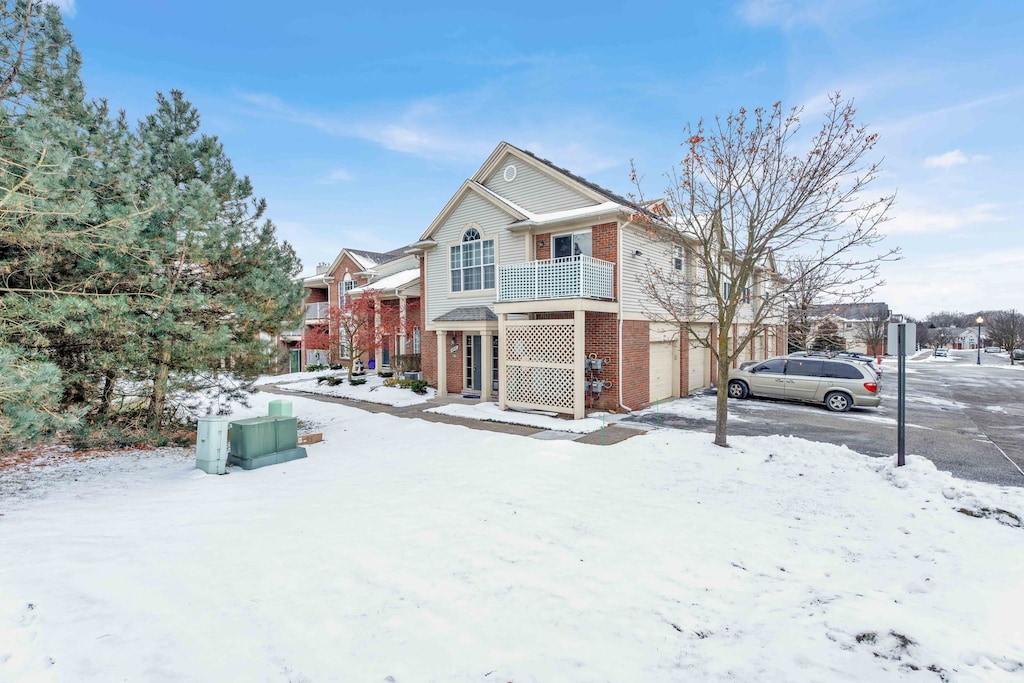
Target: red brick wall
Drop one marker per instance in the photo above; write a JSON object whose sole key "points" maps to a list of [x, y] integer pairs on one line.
{"points": [[543, 250], [346, 265], [601, 337], [315, 295], [455, 362], [636, 363], [606, 247], [428, 357]]}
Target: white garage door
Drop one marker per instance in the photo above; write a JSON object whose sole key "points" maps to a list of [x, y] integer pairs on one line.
{"points": [[698, 368], [661, 370]]}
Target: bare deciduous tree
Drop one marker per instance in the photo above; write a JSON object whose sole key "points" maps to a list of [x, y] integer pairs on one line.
{"points": [[748, 195], [1006, 330], [872, 333]]}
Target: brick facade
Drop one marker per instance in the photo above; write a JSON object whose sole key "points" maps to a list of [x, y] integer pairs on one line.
{"points": [[606, 247], [636, 360], [602, 338]]}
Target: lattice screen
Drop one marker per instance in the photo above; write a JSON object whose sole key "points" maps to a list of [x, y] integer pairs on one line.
{"points": [[539, 368]]}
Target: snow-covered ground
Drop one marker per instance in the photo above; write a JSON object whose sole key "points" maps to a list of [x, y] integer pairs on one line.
{"points": [[373, 391], [402, 550]]}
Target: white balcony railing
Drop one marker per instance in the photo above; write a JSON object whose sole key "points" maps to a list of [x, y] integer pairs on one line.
{"points": [[582, 277], [317, 311]]}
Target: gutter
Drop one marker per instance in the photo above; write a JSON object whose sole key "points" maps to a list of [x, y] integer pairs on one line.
{"points": [[622, 367]]}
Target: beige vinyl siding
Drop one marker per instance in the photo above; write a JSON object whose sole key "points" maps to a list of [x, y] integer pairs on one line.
{"points": [[635, 268], [534, 190], [493, 222]]}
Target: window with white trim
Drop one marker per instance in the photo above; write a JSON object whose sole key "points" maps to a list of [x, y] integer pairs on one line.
{"points": [[472, 262], [416, 340], [677, 257], [343, 288]]}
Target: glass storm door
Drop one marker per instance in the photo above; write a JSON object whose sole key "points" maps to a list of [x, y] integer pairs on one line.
{"points": [[473, 361]]}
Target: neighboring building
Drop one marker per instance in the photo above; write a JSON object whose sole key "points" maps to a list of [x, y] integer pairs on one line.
{"points": [[967, 338], [529, 271], [862, 327], [350, 270]]}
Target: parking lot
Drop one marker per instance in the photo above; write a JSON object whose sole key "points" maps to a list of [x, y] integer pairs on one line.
{"points": [[967, 419]]}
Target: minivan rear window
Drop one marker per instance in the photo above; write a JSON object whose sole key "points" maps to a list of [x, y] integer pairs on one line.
{"points": [[804, 367], [841, 371]]}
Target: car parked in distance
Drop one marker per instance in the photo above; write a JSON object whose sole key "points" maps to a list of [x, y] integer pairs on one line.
{"points": [[1018, 354], [941, 353], [838, 383], [992, 349]]}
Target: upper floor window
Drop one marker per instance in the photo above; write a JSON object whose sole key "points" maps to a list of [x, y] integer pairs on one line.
{"points": [[575, 244], [472, 262], [677, 256], [343, 288]]}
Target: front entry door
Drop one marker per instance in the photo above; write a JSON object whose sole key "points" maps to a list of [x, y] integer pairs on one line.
{"points": [[474, 359]]}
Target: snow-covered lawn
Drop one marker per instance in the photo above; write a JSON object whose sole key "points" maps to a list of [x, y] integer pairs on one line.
{"points": [[373, 391], [402, 550]]}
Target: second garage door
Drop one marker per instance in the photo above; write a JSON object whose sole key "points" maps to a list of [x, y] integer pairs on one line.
{"points": [[662, 370]]}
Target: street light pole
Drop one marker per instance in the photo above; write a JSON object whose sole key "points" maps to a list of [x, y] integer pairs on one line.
{"points": [[980, 320]]}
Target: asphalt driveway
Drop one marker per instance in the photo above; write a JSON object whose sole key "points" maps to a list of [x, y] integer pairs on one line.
{"points": [[967, 419]]}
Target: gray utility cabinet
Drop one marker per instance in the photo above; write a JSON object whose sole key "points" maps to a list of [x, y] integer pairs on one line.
{"points": [[261, 441]]}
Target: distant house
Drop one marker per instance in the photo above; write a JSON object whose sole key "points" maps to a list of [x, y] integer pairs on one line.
{"points": [[967, 338], [862, 327]]}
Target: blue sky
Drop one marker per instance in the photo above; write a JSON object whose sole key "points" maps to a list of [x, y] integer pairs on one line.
{"points": [[358, 122]]}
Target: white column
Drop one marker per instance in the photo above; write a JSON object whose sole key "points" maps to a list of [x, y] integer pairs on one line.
{"points": [[401, 325], [485, 365], [442, 364], [502, 370], [579, 401]]}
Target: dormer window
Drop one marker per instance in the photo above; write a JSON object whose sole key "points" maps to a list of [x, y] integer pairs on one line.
{"points": [[472, 262]]}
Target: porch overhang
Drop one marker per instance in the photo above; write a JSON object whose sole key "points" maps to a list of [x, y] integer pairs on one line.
{"points": [[557, 305]]}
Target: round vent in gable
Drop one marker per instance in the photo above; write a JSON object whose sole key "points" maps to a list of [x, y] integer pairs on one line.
{"points": [[510, 173]]}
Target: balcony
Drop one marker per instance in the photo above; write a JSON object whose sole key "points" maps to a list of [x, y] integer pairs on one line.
{"points": [[316, 312], [580, 277]]}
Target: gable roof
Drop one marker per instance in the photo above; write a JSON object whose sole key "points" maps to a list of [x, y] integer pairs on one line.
{"points": [[453, 203], [872, 310]]}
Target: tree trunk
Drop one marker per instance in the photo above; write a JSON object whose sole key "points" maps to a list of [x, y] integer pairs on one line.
{"points": [[722, 397], [108, 392], [159, 399]]}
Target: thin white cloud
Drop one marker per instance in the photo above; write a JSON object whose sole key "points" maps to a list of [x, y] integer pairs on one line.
{"points": [[789, 14], [953, 158], [449, 128], [940, 220], [943, 115], [337, 175]]}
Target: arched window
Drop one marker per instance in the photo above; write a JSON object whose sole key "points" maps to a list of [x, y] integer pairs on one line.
{"points": [[343, 287], [472, 262]]}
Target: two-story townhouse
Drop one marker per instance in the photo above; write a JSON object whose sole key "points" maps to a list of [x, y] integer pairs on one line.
{"points": [[395, 285], [533, 295], [862, 327], [350, 269]]}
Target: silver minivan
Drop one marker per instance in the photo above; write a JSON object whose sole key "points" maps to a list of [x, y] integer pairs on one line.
{"points": [[839, 384]]}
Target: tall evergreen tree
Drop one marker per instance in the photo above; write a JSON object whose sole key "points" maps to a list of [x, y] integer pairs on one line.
{"points": [[217, 274]]}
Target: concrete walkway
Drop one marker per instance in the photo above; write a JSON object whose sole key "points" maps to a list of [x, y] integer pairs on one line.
{"points": [[614, 432]]}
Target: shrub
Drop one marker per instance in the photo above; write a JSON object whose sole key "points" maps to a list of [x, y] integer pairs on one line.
{"points": [[407, 362], [335, 380], [418, 386], [386, 373], [356, 381], [392, 382], [316, 368]]}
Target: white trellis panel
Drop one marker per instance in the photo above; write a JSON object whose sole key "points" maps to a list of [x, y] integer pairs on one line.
{"points": [[560, 278], [539, 358]]}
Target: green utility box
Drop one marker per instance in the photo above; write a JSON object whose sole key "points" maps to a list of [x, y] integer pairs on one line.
{"points": [[280, 407], [261, 441]]}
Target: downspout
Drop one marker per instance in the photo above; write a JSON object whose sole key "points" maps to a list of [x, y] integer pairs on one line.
{"points": [[622, 368]]}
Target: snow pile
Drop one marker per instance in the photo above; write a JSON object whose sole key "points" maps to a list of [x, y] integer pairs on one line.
{"points": [[411, 551], [490, 412]]}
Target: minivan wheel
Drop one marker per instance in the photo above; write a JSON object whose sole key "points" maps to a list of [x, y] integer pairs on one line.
{"points": [[838, 402], [738, 389]]}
